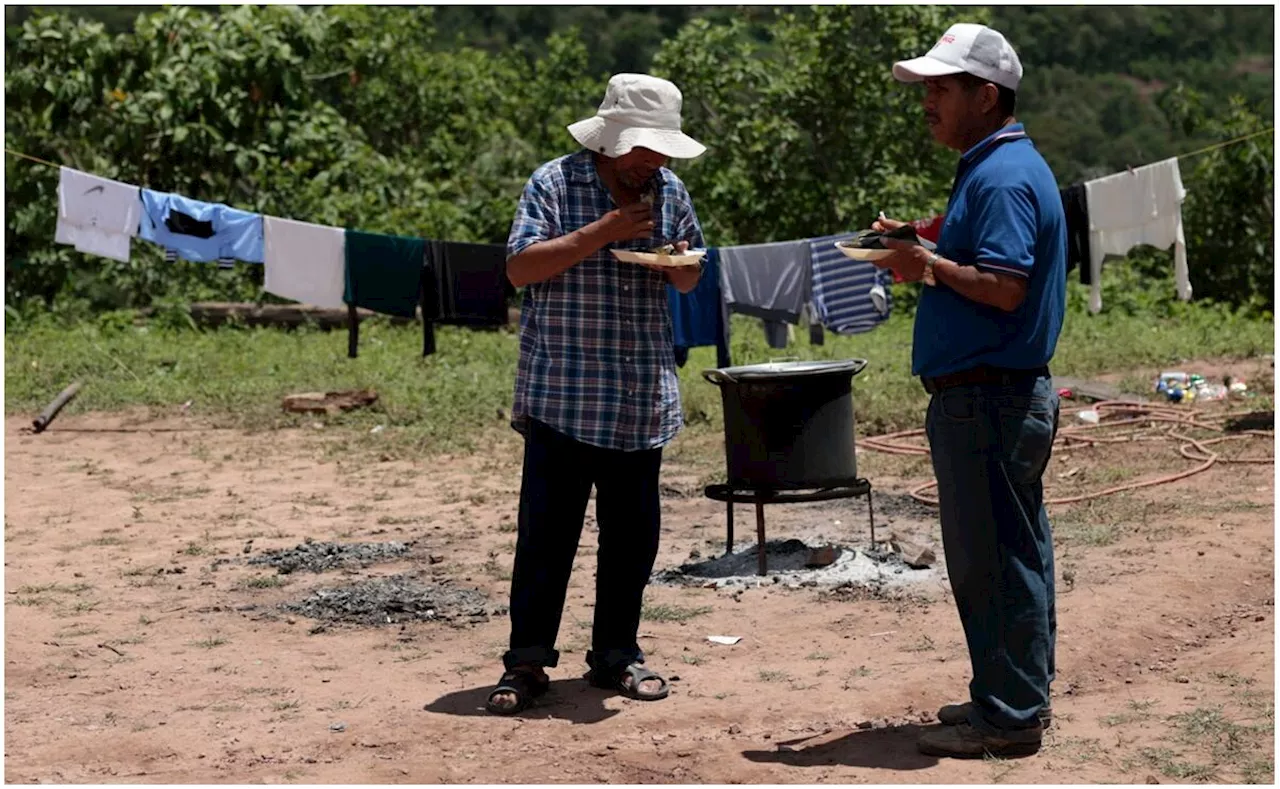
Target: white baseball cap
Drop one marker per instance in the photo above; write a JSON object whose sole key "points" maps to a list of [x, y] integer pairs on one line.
{"points": [[638, 111], [966, 49]]}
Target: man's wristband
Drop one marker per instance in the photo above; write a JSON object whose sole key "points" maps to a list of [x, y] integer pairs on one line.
{"points": [[927, 275]]}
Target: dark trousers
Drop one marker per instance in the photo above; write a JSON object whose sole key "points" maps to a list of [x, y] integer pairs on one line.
{"points": [[990, 446], [556, 485]]}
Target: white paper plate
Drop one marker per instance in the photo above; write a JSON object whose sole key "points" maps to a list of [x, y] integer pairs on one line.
{"points": [[864, 254], [690, 258]]}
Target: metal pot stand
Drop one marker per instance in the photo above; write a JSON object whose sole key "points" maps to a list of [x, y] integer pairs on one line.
{"points": [[783, 445], [758, 496]]}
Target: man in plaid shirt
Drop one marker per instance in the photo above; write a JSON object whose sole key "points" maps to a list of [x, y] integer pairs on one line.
{"points": [[596, 396]]}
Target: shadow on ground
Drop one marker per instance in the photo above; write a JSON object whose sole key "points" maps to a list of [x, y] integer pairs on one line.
{"points": [[570, 700], [893, 748]]}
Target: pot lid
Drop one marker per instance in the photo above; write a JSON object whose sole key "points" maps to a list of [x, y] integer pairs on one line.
{"points": [[770, 370]]}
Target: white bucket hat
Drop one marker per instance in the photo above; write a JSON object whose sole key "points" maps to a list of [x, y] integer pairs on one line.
{"points": [[638, 111], [966, 49]]}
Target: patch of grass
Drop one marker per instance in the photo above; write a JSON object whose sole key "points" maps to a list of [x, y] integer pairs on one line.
{"points": [[76, 631], [1123, 718], [54, 589], [1230, 744], [105, 542], [497, 570], [1081, 750], [690, 659], [1258, 771], [1231, 678], [448, 402], [210, 643], [1000, 768], [226, 708], [766, 675], [817, 656], [1169, 764], [284, 706], [395, 520], [264, 582], [662, 612], [34, 602], [925, 644]]}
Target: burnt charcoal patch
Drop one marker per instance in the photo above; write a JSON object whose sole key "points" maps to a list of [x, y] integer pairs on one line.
{"points": [[393, 600], [317, 557]]}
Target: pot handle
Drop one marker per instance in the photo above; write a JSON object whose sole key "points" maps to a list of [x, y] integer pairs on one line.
{"points": [[718, 377]]}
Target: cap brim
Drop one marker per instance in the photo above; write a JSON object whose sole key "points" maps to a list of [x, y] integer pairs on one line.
{"points": [[614, 139], [922, 68]]}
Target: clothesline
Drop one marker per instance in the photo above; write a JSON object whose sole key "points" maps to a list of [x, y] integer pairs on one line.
{"points": [[35, 159], [1218, 145], [1206, 149]]}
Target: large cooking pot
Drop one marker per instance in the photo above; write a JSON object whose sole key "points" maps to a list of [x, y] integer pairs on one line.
{"points": [[789, 425]]}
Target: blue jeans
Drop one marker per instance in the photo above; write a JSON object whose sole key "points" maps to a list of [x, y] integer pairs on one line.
{"points": [[990, 446]]}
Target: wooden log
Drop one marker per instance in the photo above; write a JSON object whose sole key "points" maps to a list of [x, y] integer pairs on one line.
{"points": [[47, 415], [329, 402], [216, 313]]}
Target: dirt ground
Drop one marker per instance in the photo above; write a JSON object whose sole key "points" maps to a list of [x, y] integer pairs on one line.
{"points": [[142, 647]]}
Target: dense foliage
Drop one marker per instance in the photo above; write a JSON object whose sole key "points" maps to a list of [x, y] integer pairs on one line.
{"points": [[427, 121]]}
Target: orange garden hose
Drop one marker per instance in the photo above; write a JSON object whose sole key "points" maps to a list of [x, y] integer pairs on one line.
{"points": [[1139, 415]]}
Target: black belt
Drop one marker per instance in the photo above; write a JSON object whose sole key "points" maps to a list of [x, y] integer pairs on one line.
{"points": [[982, 376]]}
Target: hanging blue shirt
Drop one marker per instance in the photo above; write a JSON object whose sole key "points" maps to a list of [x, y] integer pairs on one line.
{"points": [[701, 317], [1005, 216], [200, 232]]}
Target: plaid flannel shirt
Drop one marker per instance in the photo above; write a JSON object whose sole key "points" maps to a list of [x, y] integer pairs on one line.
{"points": [[596, 356]]}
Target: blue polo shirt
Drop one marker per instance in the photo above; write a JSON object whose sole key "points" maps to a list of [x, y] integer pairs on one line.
{"points": [[1005, 216]]}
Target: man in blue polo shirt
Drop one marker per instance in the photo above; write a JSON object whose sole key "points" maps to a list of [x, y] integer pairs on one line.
{"points": [[986, 327]]}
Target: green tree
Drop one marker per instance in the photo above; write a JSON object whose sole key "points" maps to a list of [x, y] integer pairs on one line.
{"points": [[810, 135], [332, 115], [1229, 214]]}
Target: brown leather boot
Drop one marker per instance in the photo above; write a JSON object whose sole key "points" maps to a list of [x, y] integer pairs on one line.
{"points": [[955, 714], [965, 742]]}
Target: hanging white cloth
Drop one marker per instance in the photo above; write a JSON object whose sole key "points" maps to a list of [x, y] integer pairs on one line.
{"points": [[1135, 207], [96, 215], [304, 262]]}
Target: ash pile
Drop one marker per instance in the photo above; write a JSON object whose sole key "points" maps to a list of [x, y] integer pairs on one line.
{"points": [[795, 564], [318, 557], [393, 600]]}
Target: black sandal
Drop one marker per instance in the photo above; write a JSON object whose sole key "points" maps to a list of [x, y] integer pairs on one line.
{"points": [[638, 674], [524, 685]]}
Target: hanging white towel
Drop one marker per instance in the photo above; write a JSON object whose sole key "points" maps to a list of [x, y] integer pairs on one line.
{"points": [[96, 215], [304, 262], [1142, 206]]}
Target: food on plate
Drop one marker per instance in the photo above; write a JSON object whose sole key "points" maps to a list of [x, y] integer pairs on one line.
{"points": [[871, 239]]}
